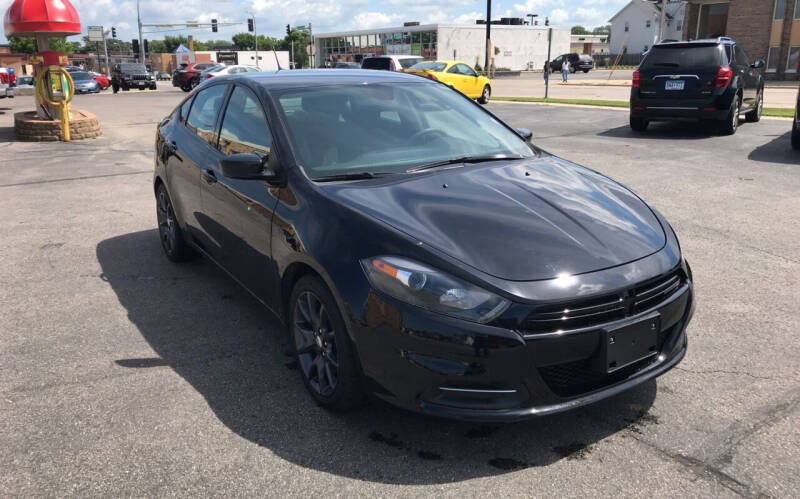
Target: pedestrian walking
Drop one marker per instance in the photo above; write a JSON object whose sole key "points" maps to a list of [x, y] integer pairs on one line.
{"points": [[565, 71], [546, 71]]}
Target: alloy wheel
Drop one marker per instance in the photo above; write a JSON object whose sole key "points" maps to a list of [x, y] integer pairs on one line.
{"points": [[315, 341], [737, 107], [166, 222]]}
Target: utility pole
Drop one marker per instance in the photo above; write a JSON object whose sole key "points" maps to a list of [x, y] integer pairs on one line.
{"points": [[311, 48], [255, 34], [547, 64], [488, 34], [663, 20], [291, 63], [141, 41], [105, 49]]}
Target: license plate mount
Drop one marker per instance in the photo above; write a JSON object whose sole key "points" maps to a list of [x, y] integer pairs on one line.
{"points": [[631, 343], [674, 85]]}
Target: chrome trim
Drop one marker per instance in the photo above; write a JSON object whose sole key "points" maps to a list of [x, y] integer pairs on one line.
{"points": [[676, 76], [595, 327], [470, 390]]}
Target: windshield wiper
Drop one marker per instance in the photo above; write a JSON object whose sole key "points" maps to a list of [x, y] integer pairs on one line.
{"points": [[459, 160], [349, 176], [668, 64]]}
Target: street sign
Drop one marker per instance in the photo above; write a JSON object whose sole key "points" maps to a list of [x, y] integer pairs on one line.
{"points": [[95, 33], [192, 24]]}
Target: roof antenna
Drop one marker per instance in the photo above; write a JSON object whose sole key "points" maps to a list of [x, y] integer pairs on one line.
{"points": [[276, 58]]}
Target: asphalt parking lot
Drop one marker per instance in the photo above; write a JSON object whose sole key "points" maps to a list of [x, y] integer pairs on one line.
{"points": [[125, 375]]}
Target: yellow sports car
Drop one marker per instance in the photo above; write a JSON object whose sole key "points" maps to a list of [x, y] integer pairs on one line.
{"points": [[455, 74]]}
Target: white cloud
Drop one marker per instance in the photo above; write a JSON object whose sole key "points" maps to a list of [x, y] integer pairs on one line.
{"points": [[469, 17], [367, 20], [559, 17]]}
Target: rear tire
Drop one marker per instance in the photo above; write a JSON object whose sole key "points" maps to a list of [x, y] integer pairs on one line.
{"points": [[325, 356], [585, 71], [754, 116], [639, 124], [485, 95], [731, 123], [115, 87], [175, 247], [795, 136]]}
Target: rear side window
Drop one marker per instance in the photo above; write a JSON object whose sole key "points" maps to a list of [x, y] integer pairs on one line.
{"points": [[202, 118], [376, 63], [409, 61], [185, 108], [683, 57], [244, 127]]}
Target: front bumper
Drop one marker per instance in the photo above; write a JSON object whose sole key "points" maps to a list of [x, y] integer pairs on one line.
{"points": [[449, 368], [7, 92]]}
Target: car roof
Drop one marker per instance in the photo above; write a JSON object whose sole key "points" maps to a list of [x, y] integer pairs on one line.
{"points": [[314, 77], [704, 42]]}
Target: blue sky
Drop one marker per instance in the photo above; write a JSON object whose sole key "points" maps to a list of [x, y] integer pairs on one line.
{"points": [[328, 15]]}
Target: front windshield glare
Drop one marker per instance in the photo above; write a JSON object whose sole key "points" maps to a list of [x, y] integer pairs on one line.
{"points": [[389, 128]]}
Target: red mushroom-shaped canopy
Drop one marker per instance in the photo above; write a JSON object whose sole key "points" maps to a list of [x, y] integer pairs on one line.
{"points": [[54, 17]]}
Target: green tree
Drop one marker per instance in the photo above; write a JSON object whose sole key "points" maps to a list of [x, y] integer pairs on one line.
{"points": [[172, 42], [157, 46], [579, 30], [301, 39], [602, 30], [27, 45], [244, 41]]}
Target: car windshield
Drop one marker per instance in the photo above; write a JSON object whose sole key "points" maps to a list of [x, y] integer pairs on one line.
{"points": [[389, 128], [215, 69], [683, 56], [81, 76], [376, 63], [431, 66], [132, 67]]}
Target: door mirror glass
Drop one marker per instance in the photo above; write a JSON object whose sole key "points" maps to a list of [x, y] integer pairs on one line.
{"points": [[758, 64], [246, 165], [524, 133]]}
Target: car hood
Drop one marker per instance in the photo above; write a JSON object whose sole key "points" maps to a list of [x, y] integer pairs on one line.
{"points": [[521, 220]]}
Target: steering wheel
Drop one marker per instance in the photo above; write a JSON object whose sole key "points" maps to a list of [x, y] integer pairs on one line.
{"points": [[433, 132]]}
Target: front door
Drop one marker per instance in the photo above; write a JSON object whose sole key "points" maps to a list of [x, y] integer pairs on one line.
{"points": [[238, 211]]}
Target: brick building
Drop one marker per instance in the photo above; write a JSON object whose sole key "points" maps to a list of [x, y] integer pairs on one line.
{"points": [[767, 29]]}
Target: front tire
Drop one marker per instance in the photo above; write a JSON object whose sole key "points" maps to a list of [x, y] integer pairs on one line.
{"points": [[754, 116], [638, 124], [795, 136], [175, 247], [731, 123], [325, 356], [585, 71], [485, 95], [115, 87]]}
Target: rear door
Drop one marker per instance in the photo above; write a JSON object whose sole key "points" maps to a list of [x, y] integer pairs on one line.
{"points": [[680, 72], [199, 156], [470, 80]]}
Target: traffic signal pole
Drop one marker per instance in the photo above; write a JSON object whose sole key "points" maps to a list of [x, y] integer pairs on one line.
{"points": [[105, 49], [141, 41], [255, 34]]}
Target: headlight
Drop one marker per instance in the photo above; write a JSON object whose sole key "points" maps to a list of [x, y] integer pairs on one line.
{"points": [[431, 289]]}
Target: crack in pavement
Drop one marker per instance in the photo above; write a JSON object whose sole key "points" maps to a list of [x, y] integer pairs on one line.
{"points": [[88, 177], [735, 373]]}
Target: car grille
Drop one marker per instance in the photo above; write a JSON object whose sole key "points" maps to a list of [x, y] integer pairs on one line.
{"points": [[579, 377], [139, 77], [591, 312]]}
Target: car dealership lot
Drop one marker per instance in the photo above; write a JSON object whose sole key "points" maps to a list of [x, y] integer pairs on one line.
{"points": [[124, 374]]}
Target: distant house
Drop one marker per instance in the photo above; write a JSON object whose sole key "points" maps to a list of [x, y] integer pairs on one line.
{"points": [[634, 29], [589, 44]]}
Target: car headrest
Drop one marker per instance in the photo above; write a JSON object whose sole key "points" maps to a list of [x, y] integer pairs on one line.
{"points": [[327, 103]]}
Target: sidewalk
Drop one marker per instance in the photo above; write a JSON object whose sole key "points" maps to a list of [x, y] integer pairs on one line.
{"points": [[774, 95]]}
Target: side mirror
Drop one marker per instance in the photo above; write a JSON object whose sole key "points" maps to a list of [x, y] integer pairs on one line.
{"points": [[524, 133], [758, 64], [246, 166]]}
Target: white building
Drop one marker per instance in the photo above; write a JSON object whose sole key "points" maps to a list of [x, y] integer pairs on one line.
{"points": [[634, 29], [267, 60], [516, 47], [589, 44]]}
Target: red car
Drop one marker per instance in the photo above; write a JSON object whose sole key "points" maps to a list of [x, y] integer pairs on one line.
{"points": [[101, 80]]}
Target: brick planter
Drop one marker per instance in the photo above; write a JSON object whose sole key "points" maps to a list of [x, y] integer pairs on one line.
{"points": [[28, 127]]}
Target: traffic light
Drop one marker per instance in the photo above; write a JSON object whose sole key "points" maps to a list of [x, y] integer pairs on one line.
{"points": [[213, 25], [113, 32], [288, 30], [250, 25], [547, 21], [146, 49], [135, 45]]}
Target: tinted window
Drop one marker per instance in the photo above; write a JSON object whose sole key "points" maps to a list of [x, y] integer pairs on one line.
{"points": [[244, 127], [203, 115], [184, 110], [466, 70], [683, 57], [132, 67], [376, 63], [741, 56], [408, 62], [81, 76], [432, 66], [435, 124]]}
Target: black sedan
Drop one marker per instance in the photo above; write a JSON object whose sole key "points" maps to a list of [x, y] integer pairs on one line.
{"points": [[417, 247]]}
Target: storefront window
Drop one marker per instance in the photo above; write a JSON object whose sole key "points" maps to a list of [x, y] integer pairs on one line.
{"points": [[793, 63], [780, 10], [772, 59]]}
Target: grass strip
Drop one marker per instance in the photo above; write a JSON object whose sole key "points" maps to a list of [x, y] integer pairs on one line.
{"points": [[780, 112]]}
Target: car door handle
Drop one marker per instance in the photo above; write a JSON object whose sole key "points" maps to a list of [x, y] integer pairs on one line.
{"points": [[172, 148], [209, 176]]}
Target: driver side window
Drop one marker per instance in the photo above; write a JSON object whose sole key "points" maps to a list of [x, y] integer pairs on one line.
{"points": [[453, 69], [466, 70]]}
